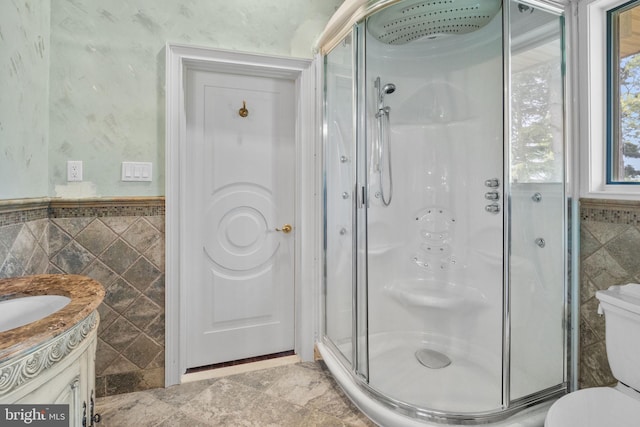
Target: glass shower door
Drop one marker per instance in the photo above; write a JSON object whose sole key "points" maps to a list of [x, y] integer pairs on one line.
{"points": [[539, 208], [435, 237], [339, 177]]}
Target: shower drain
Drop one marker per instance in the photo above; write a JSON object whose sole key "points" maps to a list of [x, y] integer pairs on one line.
{"points": [[432, 359]]}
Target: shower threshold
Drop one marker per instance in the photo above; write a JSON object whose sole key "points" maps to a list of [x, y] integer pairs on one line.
{"points": [[432, 359]]}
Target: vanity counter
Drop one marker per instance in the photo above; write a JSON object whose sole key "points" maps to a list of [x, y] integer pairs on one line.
{"points": [[85, 293]]}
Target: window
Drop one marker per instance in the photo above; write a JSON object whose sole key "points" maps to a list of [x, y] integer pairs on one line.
{"points": [[623, 94], [590, 70]]}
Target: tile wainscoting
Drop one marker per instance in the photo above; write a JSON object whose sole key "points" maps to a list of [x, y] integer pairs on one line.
{"points": [[120, 243], [609, 255], [24, 237]]}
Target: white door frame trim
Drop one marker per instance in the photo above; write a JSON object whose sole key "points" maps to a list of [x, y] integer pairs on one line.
{"points": [[307, 198]]}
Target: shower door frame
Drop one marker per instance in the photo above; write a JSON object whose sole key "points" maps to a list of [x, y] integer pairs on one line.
{"points": [[357, 365], [561, 389], [359, 370]]}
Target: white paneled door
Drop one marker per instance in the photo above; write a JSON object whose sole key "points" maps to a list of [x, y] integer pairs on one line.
{"points": [[239, 191]]}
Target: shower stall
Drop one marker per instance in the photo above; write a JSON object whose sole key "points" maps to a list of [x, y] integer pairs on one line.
{"points": [[447, 212]]}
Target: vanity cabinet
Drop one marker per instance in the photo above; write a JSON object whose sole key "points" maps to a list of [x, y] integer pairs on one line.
{"points": [[69, 379]]}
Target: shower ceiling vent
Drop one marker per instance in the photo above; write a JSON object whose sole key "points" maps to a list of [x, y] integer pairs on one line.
{"points": [[412, 20]]}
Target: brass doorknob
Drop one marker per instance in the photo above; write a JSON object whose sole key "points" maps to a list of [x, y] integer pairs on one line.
{"points": [[285, 228]]}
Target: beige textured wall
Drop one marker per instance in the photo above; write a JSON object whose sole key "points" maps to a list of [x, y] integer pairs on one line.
{"points": [[107, 75], [84, 80], [24, 98]]}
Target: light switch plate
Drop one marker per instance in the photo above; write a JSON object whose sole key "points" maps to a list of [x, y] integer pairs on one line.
{"points": [[137, 171]]}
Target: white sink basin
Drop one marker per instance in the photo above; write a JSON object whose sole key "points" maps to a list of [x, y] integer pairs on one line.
{"points": [[22, 311]]}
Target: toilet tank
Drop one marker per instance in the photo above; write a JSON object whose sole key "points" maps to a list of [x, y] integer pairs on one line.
{"points": [[621, 307]]}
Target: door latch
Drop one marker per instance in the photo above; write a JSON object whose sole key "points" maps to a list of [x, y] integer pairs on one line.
{"points": [[285, 228]]}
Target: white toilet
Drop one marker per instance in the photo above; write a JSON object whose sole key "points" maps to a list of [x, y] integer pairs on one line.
{"points": [[606, 406]]}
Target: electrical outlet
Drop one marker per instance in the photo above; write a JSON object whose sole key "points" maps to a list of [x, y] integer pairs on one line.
{"points": [[74, 170]]}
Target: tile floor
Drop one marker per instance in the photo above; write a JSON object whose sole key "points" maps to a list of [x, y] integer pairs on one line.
{"points": [[295, 395]]}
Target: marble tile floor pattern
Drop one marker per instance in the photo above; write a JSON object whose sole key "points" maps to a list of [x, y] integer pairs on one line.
{"points": [[296, 395]]}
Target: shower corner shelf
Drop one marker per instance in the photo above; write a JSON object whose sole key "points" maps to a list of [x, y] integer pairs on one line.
{"points": [[435, 294]]}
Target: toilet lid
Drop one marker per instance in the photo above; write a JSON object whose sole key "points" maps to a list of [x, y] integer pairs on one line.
{"points": [[594, 407]]}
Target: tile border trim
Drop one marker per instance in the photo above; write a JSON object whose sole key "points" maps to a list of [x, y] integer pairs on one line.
{"points": [[18, 211], [610, 211], [107, 207]]}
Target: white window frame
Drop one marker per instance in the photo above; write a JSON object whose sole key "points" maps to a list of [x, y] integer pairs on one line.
{"points": [[592, 75]]}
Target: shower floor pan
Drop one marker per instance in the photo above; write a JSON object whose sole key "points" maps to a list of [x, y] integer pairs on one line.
{"points": [[468, 384]]}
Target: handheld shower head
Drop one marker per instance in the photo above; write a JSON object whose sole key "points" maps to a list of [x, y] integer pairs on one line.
{"points": [[381, 149], [387, 89]]}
